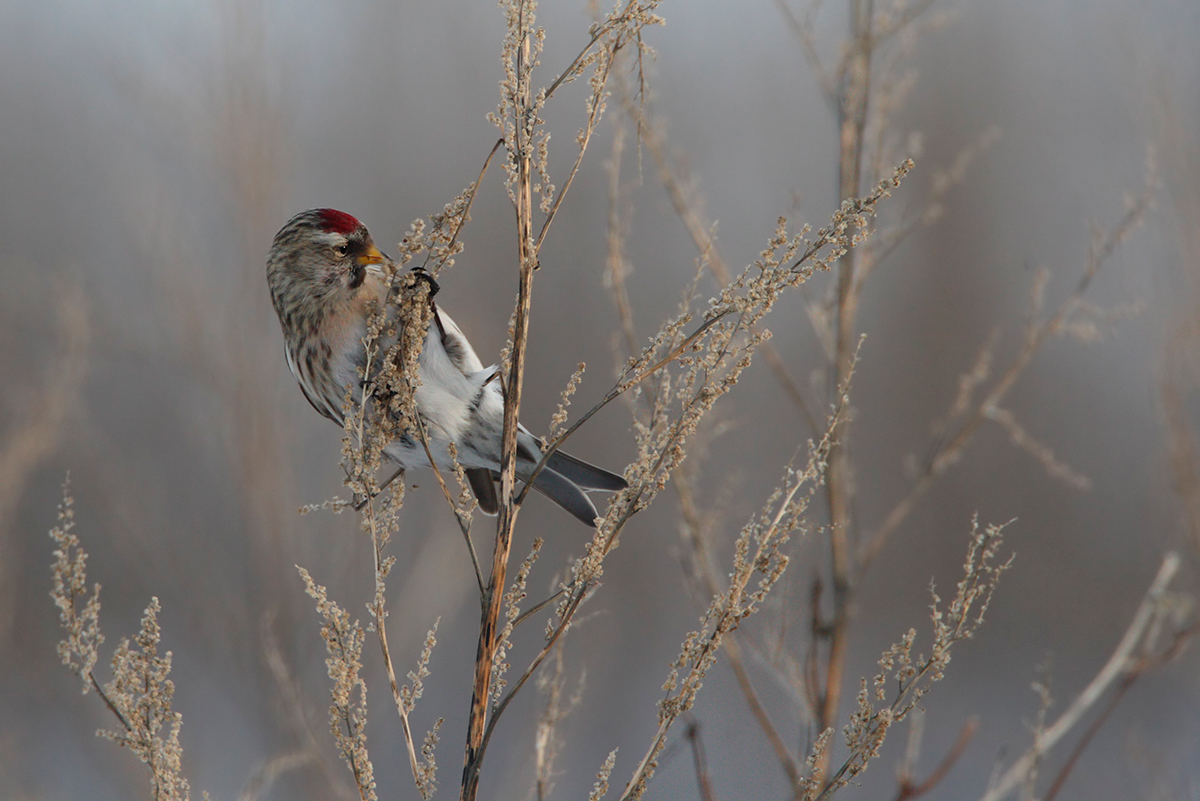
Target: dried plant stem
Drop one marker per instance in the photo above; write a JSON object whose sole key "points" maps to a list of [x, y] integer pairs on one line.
{"points": [[700, 761], [380, 614], [757, 553], [555, 636], [464, 522], [493, 596], [140, 692], [525, 140], [854, 98], [947, 452], [618, 266], [408, 738], [702, 237], [1120, 665], [958, 621], [585, 136], [627, 23], [911, 789], [462, 219], [628, 381], [862, 107], [706, 574]]}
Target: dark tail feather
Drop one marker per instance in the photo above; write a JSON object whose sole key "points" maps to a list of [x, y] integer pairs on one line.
{"points": [[585, 475], [567, 495], [480, 479]]}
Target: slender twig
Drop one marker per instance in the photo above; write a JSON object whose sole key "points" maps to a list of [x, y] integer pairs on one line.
{"points": [[854, 87], [700, 761], [707, 248], [564, 623], [869, 725], [462, 220], [533, 610], [381, 630], [600, 31], [377, 606], [365, 499], [909, 789], [1119, 666], [623, 385], [803, 32], [724, 613], [459, 515], [948, 452], [706, 573], [109, 702], [585, 136], [1178, 642]]}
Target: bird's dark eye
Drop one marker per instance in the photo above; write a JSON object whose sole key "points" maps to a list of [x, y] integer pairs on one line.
{"points": [[340, 250]]}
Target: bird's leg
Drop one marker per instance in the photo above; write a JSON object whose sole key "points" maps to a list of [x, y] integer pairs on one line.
{"points": [[359, 504]]}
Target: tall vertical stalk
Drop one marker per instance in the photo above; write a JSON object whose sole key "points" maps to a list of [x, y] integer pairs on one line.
{"points": [[489, 630]]}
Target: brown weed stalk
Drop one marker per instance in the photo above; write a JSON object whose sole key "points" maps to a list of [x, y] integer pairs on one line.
{"points": [[139, 693], [525, 139]]}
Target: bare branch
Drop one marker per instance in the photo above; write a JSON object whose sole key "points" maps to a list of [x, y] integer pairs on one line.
{"points": [[1120, 665], [948, 452]]}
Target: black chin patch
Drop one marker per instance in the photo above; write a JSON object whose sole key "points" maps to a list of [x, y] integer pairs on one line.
{"points": [[358, 274]]}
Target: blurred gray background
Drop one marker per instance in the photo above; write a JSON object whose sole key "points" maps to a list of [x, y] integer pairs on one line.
{"points": [[148, 153]]}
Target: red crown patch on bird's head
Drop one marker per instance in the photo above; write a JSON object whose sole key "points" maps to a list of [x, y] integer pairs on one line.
{"points": [[339, 222]]}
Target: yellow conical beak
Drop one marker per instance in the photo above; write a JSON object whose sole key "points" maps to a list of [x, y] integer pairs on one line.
{"points": [[371, 256]]}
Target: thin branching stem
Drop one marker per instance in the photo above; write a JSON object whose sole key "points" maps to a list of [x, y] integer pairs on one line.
{"points": [[947, 452], [380, 614], [1122, 663], [489, 630], [466, 214], [460, 516]]}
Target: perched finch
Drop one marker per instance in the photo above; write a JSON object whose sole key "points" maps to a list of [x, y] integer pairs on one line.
{"points": [[326, 275]]}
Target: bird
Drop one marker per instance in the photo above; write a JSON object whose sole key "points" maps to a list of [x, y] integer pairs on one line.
{"points": [[326, 276]]}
